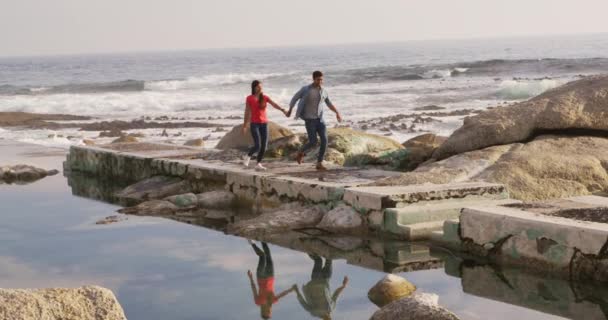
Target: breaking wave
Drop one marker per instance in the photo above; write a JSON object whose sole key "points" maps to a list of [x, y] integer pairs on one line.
{"points": [[517, 89]]}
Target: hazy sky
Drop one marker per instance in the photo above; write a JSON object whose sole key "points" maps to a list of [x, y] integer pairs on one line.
{"points": [[33, 27]]}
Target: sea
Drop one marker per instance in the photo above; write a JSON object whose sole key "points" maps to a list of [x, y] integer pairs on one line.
{"points": [[365, 81]]}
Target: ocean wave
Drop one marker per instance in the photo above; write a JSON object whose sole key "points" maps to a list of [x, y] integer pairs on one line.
{"points": [[489, 68], [190, 83], [517, 89]]}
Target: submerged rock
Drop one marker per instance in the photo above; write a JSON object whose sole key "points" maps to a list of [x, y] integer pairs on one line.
{"points": [[85, 303], [284, 219], [151, 208], [216, 200], [341, 218], [186, 200], [21, 174], [420, 306], [111, 219], [157, 187], [577, 106], [389, 289], [235, 139]]}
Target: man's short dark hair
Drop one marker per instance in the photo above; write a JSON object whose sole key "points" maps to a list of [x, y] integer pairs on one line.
{"points": [[317, 74]]}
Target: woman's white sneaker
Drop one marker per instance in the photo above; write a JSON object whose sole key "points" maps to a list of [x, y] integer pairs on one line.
{"points": [[260, 167], [246, 160]]}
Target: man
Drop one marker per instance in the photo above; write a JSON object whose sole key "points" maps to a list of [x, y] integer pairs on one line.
{"points": [[312, 99], [316, 297]]}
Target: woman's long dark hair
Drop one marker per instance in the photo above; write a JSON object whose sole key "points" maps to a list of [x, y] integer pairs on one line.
{"points": [[260, 96]]}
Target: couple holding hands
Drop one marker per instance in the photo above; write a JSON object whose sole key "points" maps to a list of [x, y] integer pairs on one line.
{"points": [[311, 100]]}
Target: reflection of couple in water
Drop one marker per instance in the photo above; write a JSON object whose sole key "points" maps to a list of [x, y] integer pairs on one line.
{"points": [[316, 297]]}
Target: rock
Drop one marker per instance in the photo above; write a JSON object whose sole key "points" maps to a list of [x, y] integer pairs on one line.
{"points": [[236, 140], [23, 174], [151, 208], [157, 187], [420, 306], [341, 218], [85, 303], [126, 139], [88, 142], [420, 149], [111, 219], [164, 133], [195, 143], [216, 200], [285, 146], [547, 167], [577, 106], [390, 288], [186, 200], [352, 144], [285, 219]]}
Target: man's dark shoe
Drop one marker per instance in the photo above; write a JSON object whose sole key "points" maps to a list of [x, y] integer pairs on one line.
{"points": [[300, 157], [321, 167]]}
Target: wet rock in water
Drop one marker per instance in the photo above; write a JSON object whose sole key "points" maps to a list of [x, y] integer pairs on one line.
{"points": [[195, 143], [429, 108], [88, 142], [216, 200], [85, 303], [235, 139], [579, 104], [390, 288], [151, 208], [419, 306], [111, 219], [341, 218], [22, 174], [285, 219], [126, 139], [164, 133], [186, 200], [157, 187]]}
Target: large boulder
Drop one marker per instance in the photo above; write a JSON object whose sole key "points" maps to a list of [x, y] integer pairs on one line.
{"points": [[352, 142], [389, 289], [235, 139], [22, 174], [85, 303], [220, 200], [341, 218], [579, 105], [287, 218], [550, 166], [420, 149], [157, 187], [419, 306]]}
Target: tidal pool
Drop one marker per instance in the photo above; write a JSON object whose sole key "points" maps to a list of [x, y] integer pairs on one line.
{"points": [[165, 269]]}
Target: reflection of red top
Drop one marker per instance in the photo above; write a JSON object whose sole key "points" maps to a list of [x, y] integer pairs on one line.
{"points": [[266, 290], [258, 115]]}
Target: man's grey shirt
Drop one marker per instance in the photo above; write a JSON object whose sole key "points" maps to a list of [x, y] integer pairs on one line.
{"points": [[301, 98], [311, 108]]}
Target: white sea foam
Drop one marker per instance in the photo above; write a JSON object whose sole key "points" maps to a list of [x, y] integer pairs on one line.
{"points": [[193, 83], [441, 73], [516, 90]]}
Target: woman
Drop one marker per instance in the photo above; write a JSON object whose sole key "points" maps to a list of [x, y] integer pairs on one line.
{"points": [[265, 297], [255, 117]]}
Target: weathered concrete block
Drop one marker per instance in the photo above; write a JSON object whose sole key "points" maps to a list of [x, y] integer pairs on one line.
{"points": [[379, 198]]}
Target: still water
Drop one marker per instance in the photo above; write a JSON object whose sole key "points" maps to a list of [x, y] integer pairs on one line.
{"points": [[165, 269]]}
